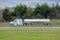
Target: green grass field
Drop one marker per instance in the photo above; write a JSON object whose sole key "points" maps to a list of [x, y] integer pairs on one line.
{"points": [[30, 35]]}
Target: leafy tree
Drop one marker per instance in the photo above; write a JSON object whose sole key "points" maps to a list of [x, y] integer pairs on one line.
{"points": [[55, 11], [37, 11], [20, 10], [45, 10], [42, 11], [29, 13], [6, 14]]}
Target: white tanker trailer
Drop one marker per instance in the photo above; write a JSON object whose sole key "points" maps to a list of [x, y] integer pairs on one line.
{"points": [[21, 22], [36, 20]]}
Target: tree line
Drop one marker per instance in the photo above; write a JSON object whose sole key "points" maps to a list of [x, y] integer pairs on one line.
{"points": [[43, 11]]}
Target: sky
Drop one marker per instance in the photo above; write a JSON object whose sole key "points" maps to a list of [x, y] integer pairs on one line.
{"points": [[31, 3]]}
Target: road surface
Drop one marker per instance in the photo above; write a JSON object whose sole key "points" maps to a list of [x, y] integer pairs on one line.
{"points": [[29, 28]]}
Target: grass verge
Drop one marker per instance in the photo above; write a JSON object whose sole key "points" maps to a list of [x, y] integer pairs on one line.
{"points": [[30, 35]]}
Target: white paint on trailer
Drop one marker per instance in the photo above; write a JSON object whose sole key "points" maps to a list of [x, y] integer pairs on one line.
{"points": [[37, 20]]}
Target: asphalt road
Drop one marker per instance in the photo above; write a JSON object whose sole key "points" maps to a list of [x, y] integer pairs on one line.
{"points": [[29, 28]]}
